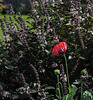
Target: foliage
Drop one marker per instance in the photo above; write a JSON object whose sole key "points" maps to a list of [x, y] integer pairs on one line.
{"points": [[2, 8], [26, 61]]}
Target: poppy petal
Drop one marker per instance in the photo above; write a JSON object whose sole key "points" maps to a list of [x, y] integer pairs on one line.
{"points": [[61, 46]]}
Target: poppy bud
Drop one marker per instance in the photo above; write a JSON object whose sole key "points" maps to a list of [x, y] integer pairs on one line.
{"points": [[83, 72], [57, 72]]}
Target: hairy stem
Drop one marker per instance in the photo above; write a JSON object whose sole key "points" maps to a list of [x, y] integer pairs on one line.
{"points": [[59, 87], [67, 73]]}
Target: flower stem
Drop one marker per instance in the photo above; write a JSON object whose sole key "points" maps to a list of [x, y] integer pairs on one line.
{"points": [[59, 87], [67, 73], [81, 89]]}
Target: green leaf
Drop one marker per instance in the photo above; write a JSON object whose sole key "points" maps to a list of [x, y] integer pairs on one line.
{"points": [[49, 88], [14, 96], [81, 57], [86, 98], [10, 67], [73, 90], [5, 53], [32, 90], [87, 95], [62, 19], [77, 50], [44, 85], [1, 60], [67, 16], [67, 97], [20, 43], [47, 51], [42, 45], [76, 82]]}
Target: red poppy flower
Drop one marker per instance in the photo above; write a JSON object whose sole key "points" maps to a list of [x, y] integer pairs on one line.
{"points": [[59, 49]]}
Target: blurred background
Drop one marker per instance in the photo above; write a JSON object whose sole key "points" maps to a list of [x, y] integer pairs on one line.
{"points": [[22, 6]]}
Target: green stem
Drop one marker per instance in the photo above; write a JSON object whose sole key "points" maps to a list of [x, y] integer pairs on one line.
{"points": [[81, 89], [59, 87], [67, 74]]}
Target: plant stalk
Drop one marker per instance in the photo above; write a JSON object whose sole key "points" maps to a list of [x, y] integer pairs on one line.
{"points": [[67, 73], [59, 87], [81, 89]]}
